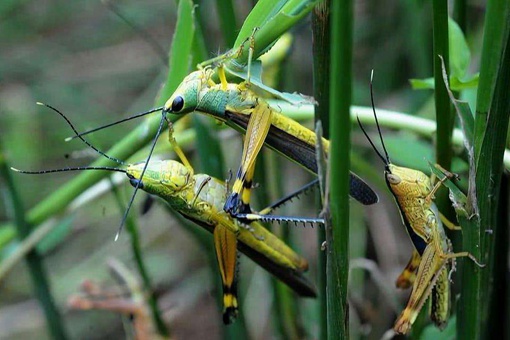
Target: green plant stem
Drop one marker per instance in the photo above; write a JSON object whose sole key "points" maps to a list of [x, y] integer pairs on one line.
{"points": [[489, 139], [488, 179], [321, 66], [34, 260], [136, 248], [337, 233]]}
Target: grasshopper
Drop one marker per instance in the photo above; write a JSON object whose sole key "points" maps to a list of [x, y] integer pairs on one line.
{"points": [[200, 198], [433, 257]]}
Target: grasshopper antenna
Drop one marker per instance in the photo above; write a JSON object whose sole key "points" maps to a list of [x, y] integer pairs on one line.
{"points": [[386, 160], [80, 137], [138, 183], [375, 116], [81, 168], [137, 115]]}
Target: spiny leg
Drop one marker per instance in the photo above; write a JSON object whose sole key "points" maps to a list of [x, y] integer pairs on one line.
{"points": [[264, 214], [289, 197]]}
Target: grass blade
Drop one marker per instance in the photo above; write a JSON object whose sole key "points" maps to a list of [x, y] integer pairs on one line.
{"points": [[337, 233]]}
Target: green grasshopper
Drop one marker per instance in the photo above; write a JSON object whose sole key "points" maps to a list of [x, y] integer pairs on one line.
{"points": [[200, 198], [433, 257], [242, 109]]}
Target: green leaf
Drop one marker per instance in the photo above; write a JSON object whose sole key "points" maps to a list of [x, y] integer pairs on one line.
{"points": [[456, 84], [422, 84], [271, 19], [259, 15], [468, 82]]}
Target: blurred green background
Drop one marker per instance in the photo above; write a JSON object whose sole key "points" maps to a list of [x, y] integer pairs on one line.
{"points": [[80, 57]]}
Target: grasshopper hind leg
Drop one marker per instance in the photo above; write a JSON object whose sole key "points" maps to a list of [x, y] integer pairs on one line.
{"points": [[225, 244], [265, 214]]}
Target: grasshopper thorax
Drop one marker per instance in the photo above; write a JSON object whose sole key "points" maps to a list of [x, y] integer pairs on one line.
{"points": [[161, 177], [185, 98]]}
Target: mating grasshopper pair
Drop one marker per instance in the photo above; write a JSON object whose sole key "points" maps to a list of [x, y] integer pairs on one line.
{"points": [[432, 259], [200, 198], [245, 111]]}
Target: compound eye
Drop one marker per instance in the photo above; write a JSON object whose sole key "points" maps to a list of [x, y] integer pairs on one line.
{"points": [[393, 179], [177, 104], [136, 182]]}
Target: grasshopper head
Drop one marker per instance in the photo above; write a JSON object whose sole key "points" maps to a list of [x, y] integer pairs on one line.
{"points": [[406, 181], [185, 98], [402, 182], [162, 178]]}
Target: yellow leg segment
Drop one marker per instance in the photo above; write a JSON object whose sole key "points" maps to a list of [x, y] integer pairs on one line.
{"points": [[225, 243]]}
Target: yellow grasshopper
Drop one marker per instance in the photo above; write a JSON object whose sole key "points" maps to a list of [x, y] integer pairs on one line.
{"points": [[432, 258], [200, 198]]}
